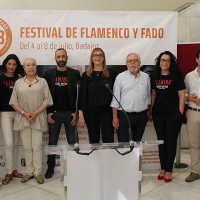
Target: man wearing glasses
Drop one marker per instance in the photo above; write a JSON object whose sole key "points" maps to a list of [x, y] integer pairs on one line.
{"points": [[132, 89]]}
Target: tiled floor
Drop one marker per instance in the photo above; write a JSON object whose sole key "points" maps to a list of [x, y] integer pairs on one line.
{"points": [[178, 189], [152, 188]]}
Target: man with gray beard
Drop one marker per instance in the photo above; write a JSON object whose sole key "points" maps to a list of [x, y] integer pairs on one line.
{"points": [[132, 89]]}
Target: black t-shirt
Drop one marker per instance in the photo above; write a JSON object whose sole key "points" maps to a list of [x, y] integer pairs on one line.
{"points": [[93, 92], [61, 97], [6, 88], [167, 99]]}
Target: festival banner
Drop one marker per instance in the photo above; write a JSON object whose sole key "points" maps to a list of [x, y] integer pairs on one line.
{"points": [[39, 33]]}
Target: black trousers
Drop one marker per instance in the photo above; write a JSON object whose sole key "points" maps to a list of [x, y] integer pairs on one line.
{"points": [[138, 123], [98, 120], [167, 129]]}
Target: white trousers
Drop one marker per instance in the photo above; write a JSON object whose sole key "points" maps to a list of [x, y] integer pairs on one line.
{"points": [[32, 143], [10, 140]]}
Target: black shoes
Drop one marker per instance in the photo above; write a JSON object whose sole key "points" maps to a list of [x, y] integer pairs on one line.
{"points": [[49, 173]]}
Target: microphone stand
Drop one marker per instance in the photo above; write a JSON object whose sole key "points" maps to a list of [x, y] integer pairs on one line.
{"points": [[76, 116], [129, 124], [76, 145]]}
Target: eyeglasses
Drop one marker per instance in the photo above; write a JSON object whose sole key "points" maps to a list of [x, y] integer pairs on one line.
{"points": [[132, 61], [163, 61], [97, 55]]}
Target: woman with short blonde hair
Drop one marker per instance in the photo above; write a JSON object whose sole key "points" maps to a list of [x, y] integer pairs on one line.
{"points": [[30, 98]]}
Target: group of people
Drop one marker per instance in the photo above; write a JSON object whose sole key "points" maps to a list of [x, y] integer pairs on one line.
{"points": [[28, 102], [24, 99]]}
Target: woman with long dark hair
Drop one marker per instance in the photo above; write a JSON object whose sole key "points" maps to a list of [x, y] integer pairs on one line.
{"points": [[168, 100], [11, 68], [95, 98]]}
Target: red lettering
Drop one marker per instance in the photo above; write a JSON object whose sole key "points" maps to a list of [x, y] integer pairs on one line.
{"points": [[10, 83]]}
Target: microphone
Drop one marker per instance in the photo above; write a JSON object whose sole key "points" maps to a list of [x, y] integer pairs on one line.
{"points": [[78, 83], [129, 124]]}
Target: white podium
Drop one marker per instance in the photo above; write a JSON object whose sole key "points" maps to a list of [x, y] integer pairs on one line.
{"points": [[104, 174]]}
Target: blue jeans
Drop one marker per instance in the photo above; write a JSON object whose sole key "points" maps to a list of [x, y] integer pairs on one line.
{"points": [[54, 131]]}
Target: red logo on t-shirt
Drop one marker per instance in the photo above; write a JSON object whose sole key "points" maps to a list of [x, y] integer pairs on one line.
{"points": [[163, 84], [10, 84], [61, 81]]}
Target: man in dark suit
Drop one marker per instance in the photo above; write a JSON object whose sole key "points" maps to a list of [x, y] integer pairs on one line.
{"points": [[62, 84]]}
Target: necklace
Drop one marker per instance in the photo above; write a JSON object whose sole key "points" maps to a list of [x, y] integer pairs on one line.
{"points": [[98, 73]]}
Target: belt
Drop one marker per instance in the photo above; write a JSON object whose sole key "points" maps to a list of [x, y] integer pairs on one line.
{"points": [[137, 112], [194, 109], [61, 111]]}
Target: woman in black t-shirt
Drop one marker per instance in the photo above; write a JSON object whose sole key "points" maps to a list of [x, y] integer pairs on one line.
{"points": [[95, 99], [11, 68], [168, 100]]}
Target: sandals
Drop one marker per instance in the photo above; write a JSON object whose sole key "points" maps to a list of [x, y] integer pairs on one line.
{"points": [[17, 174], [7, 179], [26, 178], [39, 179]]}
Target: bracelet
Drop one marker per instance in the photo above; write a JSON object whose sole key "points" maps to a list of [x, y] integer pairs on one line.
{"points": [[22, 113]]}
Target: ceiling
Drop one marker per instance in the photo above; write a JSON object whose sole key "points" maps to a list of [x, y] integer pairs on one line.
{"points": [[112, 5]]}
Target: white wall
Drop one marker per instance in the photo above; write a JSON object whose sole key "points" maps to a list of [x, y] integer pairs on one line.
{"points": [[188, 24]]}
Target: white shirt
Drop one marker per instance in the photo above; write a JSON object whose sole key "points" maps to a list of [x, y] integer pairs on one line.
{"points": [[192, 83], [132, 93]]}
